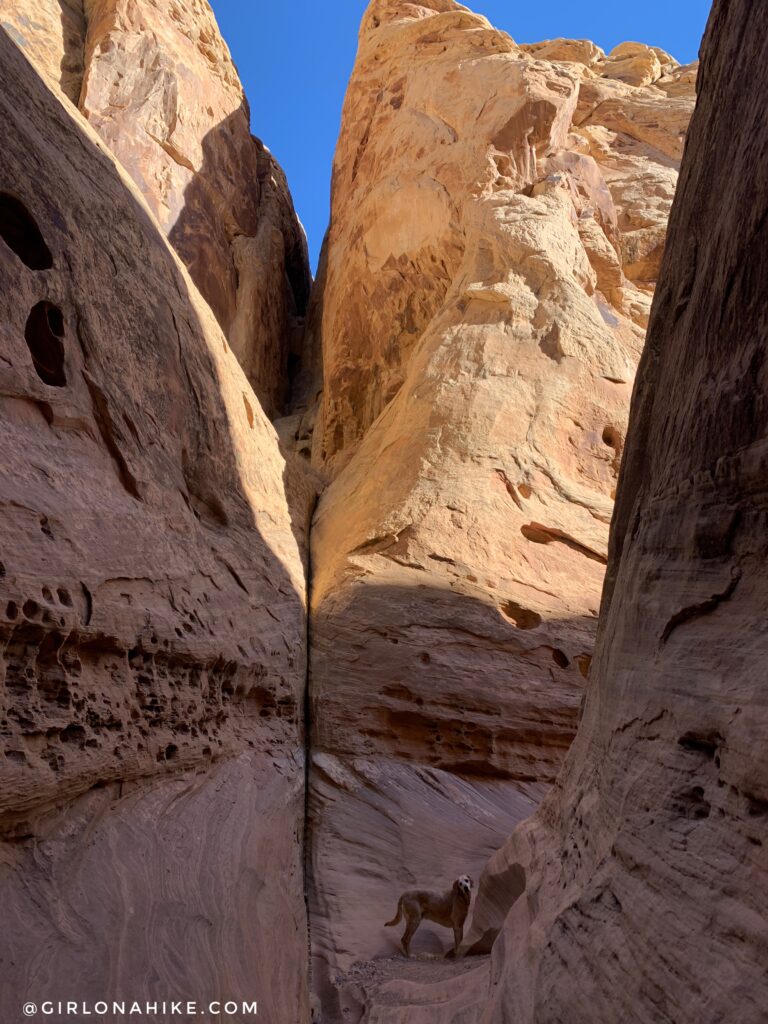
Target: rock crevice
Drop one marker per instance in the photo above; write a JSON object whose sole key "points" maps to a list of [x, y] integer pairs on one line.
{"points": [[497, 221]]}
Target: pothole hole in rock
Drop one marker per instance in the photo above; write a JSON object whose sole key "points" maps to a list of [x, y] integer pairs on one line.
{"points": [[691, 804], [73, 733], [523, 618], [43, 334], [20, 233], [612, 437], [560, 658], [703, 743]]}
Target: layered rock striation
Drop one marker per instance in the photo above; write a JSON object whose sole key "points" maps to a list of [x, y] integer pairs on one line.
{"points": [[498, 216], [158, 84], [152, 607]]}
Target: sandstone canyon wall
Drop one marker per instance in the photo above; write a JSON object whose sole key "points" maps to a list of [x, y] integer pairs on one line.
{"points": [[498, 217], [157, 82], [152, 609]]}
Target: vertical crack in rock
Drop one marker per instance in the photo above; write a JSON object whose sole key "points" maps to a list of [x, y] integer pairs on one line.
{"points": [[110, 436]]}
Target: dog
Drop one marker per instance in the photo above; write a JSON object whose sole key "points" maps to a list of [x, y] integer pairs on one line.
{"points": [[448, 909]]}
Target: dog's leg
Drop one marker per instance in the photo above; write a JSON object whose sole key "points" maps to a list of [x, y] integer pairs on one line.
{"points": [[410, 929], [458, 935]]}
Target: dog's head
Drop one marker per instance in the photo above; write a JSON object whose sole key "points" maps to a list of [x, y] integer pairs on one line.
{"points": [[463, 886]]}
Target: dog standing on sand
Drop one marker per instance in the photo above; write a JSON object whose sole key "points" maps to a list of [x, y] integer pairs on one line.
{"points": [[448, 909]]}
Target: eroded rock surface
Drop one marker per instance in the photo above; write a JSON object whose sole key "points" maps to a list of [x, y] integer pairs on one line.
{"points": [[157, 82], [496, 229], [152, 613]]}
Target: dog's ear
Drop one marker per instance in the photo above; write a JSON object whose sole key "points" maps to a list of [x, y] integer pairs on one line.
{"points": [[455, 886], [471, 882]]}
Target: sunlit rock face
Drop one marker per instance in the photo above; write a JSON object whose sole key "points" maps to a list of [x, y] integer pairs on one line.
{"points": [[152, 612], [158, 84], [498, 217]]}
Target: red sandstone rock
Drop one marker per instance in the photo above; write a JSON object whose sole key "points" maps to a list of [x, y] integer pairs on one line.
{"points": [[499, 222], [646, 866], [637, 891]]}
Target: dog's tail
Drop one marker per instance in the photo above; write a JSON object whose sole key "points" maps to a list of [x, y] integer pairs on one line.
{"points": [[398, 916]]}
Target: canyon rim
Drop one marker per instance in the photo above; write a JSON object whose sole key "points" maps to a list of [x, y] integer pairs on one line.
{"points": [[447, 561]]}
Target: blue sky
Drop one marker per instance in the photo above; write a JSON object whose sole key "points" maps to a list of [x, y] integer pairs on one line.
{"points": [[295, 58]]}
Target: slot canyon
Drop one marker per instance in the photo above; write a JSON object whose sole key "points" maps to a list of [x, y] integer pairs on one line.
{"points": [[314, 591]]}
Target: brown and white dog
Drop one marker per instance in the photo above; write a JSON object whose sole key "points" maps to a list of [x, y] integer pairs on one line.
{"points": [[448, 909]]}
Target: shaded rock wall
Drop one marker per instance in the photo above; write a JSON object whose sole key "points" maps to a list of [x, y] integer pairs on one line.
{"points": [[158, 84], [152, 612], [497, 221]]}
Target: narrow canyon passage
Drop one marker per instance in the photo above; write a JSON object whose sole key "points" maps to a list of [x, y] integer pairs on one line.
{"points": [[300, 592], [497, 223]]}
